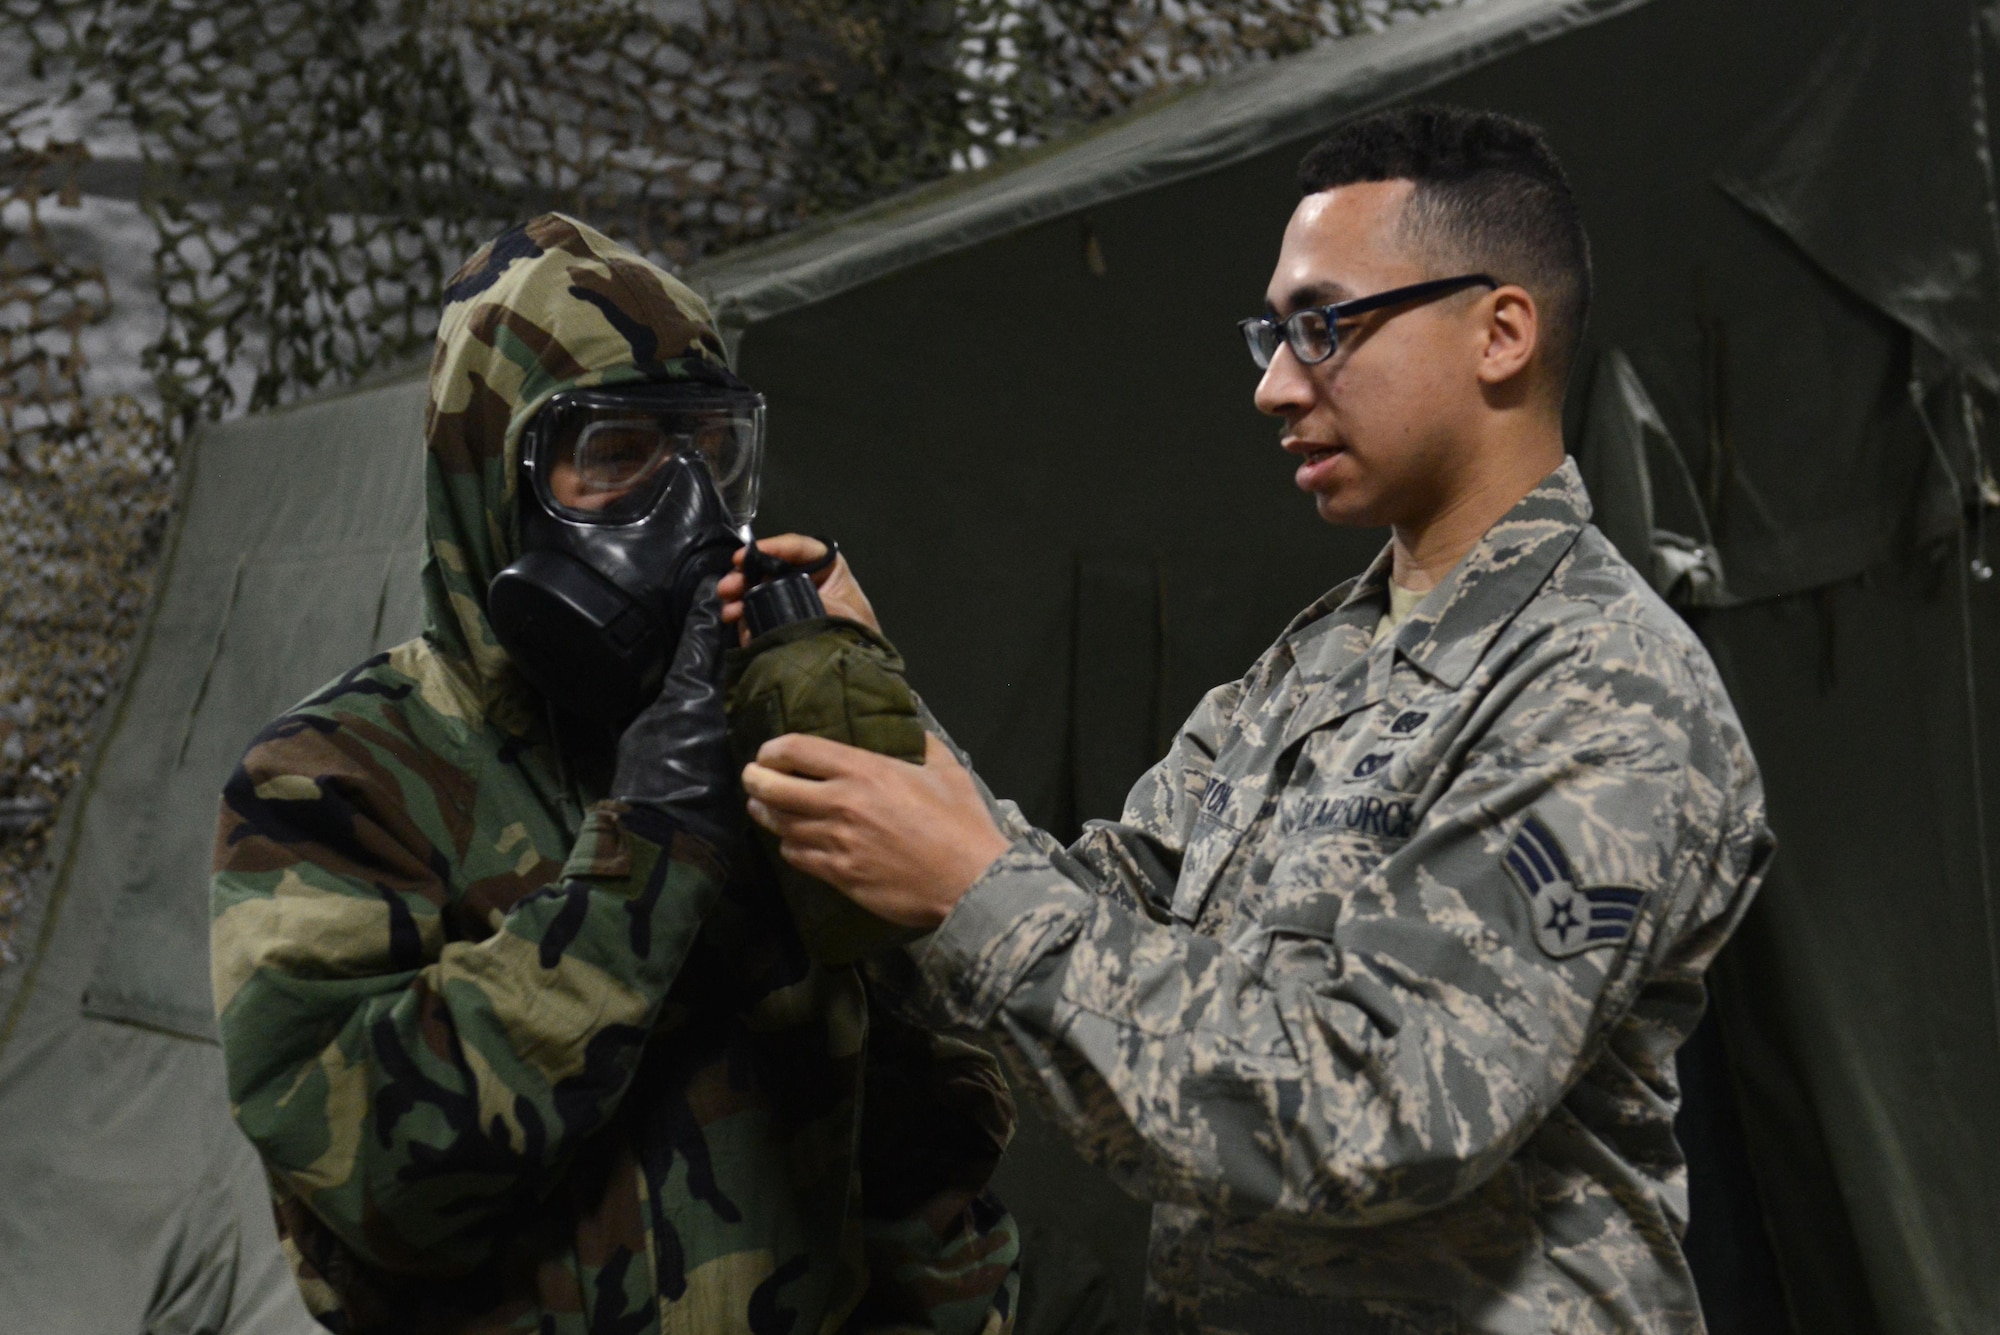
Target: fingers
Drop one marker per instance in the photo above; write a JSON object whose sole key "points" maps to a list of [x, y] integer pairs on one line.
{"points": [[792, 777], [730, 589], [841, 593], [811, 844], [792, 548], [821, 862], [699, 649], [811, 861], [815, 757], [795, 548], [785, 793], [817, 845], [798, 830]]}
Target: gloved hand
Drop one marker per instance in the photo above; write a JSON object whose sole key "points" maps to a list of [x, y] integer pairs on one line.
{"points": [[675, 758]]}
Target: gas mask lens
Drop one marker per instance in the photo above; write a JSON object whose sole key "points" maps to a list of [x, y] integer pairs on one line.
{"points": [[600, 456]]}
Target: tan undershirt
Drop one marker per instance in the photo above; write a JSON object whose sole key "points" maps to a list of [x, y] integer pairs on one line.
{"points": [[1402, 602]]}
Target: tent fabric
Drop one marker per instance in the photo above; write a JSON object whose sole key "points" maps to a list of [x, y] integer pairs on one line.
{"points": [[1234, 117], [291, 565], [1858, 1001], [132, 1202], [1049, 476], [1623, 441], [1927, 252]]}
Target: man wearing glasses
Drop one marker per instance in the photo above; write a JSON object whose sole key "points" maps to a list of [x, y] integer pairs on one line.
{"points": [[1376, 986]]}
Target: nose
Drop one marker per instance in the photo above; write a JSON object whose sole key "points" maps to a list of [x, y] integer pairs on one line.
{"points": [[1286, 389]]}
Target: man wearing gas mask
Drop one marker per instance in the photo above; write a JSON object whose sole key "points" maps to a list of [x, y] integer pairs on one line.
{"points": [[523, 1031]]}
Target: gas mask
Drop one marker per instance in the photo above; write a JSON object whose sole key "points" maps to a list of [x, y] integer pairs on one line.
{"points": [[631, 496]]}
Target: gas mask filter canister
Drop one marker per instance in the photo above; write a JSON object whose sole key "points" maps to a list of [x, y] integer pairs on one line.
{"points": [[631, 496]]}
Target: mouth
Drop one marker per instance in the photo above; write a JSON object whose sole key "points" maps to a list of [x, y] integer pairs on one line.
{"points": [[1315, 462]]}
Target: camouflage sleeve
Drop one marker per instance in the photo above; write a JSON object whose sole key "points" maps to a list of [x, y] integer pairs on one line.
{"points": [[1135, 861], [1394, 1021], [928, 1279], [942, 1253], [412, 1088], [1005, 812]]}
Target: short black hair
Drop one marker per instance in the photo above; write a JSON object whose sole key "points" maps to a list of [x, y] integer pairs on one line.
{"points": [[1490, 197]]}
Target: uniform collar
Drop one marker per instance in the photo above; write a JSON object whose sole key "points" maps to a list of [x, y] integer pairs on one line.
{"points": [[1450, 630], [1333, 672]]}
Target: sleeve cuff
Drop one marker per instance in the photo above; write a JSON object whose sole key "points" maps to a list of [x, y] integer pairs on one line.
{"points": [[1018, 912]]}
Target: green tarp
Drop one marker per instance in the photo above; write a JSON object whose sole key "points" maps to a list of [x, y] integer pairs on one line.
{"points": [[1019, 401], [293, 562]]}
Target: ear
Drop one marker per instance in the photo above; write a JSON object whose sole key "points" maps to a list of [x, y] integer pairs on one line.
{"points": [[1513, 332]]}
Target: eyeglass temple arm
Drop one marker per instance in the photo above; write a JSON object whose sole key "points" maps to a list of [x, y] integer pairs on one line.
{"points": [[1340, 310], [1397, 296]]}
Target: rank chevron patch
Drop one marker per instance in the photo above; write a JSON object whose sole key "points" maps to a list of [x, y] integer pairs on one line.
{"points": [[1568, 918]]}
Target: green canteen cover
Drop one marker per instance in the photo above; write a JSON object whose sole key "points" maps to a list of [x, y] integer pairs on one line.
{"points": [[833, 678]]}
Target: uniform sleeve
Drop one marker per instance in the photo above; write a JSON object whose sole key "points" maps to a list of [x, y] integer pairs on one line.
{"points": [[1389, 1027], [943, 1254], [1134, 861], [414, 1090]]}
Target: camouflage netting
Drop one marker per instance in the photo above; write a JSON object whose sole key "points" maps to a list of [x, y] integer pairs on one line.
{"points": [[313, 171], [84, 488]]}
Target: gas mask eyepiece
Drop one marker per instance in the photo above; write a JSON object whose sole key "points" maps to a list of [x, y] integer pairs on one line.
{"points": [[599, 457], [631, 496]]}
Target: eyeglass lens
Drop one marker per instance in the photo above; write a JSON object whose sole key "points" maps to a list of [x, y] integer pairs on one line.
{"points": [[1311, 337], [1262, 337]]}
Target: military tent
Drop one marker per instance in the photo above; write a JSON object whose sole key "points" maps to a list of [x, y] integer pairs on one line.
{"points": [[1017, 398]]}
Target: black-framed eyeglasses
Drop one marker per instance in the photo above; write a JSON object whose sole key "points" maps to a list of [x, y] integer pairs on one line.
{"points": [[1314, 333]]}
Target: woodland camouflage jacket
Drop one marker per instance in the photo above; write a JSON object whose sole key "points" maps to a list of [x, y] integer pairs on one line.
{"points": [[516, 1060], [1377, 984]]}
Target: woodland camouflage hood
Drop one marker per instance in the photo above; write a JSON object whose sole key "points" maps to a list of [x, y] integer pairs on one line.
{"points": [[546, 306]]}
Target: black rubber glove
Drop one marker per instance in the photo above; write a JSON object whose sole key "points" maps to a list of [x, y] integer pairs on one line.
{"points": [[675, 757]]}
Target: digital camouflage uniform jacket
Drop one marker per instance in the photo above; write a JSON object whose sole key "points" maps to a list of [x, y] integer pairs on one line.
{"points": [[516, 1060], [1375, 989]]}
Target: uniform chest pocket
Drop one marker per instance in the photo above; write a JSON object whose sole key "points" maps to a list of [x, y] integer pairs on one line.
{"points": [[1390, 745]]}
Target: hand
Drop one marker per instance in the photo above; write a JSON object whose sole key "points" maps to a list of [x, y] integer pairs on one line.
{"points": [[675, 756], [838, 588], [903, 841]]}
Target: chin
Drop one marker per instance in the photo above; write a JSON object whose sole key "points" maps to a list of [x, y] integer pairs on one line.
{"points": [[1347, 510]]}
